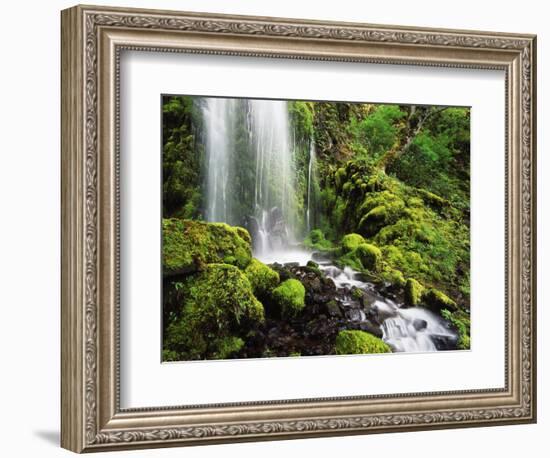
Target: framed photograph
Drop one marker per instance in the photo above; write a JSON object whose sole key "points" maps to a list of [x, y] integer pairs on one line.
{"points": [[277, 228]]}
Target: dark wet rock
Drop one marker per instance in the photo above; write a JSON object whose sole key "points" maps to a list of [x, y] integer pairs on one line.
{"points": [[372, 328], [444, 342], [371, 314], [420, 324], [355, 314], [329, 282], [334, 309], [322, 298], [292, 264]]}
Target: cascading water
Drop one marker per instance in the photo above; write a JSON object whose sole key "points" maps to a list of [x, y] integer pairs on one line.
{"points": [[310, 189], [274, 202], [412, 329], [264, 202], [218, 115]]}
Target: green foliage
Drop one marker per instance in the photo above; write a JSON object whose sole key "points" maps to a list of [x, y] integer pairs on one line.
{"points": [[351, 242], [439, 157], [316, 240], [301, 115], [216, 308], [413, 292], [370, 256], [404, 221], [359, 343], [189, 245], [379, 130], [393, 276], [461, 322], [181, 158], [227, 346], [360, 255], [290, 297], [437, 301], [380, 209], [262, 278]]}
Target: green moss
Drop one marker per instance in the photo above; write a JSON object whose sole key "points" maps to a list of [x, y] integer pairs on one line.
{"points": [[358, 343], [433, 200], [437, 301], [351, 241], [316, 240], [290, 297], [312, 266], [340, 177], [262, 278], [461, 322], [369, 256], [301, 114], [393, 276], [379, 209], [413, 292], [228, 346], [217, 306], [187, 246]]}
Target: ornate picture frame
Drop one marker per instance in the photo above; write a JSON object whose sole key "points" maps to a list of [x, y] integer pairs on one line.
{"points": [[92, 41]]}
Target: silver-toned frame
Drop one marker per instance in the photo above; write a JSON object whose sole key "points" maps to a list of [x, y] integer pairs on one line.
{"points": [[92, 39]]}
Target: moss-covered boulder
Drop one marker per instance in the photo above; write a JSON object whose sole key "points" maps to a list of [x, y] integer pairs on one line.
{"points": [[351, 241], [393, 276], [217, 308], [379, 209], [369, 256], [290, 297], [317, 241], [262, 278], [359, 343], [436, 301], [413, 292], [187, 246]]}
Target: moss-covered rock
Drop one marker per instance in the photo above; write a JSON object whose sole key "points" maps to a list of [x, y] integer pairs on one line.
{"points": [[413, 292], [228, 346], [290, 297], [393, 276], [187, 246], [316, 240], [359, 343], [262, 278], [379, 209], [436, 301], [217, 308], [369, 256], [460, 321], [351, 241]]}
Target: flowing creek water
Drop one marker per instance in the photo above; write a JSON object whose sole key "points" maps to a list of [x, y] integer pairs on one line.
{"points": [[412, 329]]}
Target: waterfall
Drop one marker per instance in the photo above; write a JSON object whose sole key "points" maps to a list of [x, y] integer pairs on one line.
{"points": [[274, 181], [310, 179], [250, 172], [219, 119]]}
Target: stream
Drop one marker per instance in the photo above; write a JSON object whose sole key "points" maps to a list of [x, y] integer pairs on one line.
{"points": [[405, 329]]}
